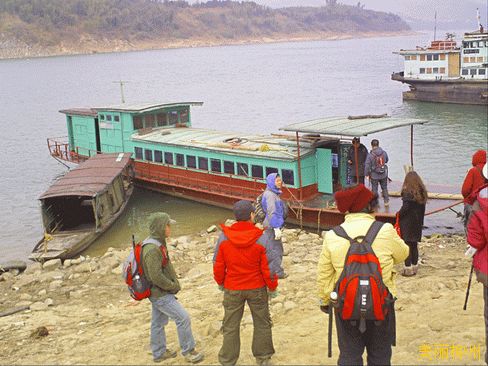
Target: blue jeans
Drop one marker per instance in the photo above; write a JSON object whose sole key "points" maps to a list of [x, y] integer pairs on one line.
{"points": [[165, 308], [384, 187]]}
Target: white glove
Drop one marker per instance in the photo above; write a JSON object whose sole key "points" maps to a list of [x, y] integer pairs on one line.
{"points": [[470, 252], [277, 233]]}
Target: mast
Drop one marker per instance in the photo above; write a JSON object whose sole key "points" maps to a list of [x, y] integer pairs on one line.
{"points": [[435, 24]]}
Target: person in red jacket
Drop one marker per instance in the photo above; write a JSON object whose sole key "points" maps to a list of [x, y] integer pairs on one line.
{"points": [[241, 270], [473, 181], [478, 239]]}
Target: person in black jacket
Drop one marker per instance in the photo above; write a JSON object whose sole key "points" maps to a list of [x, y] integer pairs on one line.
{"points": [[359, 151], [411, 218]]}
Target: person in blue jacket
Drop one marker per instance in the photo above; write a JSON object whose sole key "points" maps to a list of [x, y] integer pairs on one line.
{"points": [[276, 211]]}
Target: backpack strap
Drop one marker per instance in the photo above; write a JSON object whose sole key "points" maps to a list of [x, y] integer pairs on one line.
{"points": [[339, 231], [373, 231], [149, 240]]}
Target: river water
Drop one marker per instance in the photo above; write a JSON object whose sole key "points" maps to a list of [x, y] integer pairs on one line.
{"points": [[253, 88]]}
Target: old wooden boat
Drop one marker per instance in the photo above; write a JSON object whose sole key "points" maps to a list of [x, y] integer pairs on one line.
{"points": [[83, 204], [218, 168]]}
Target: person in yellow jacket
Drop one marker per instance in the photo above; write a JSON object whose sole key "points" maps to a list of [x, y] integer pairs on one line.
{"points": [[358, 203]]}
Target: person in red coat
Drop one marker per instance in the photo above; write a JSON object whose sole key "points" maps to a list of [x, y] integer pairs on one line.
{"points": [[241, 270], [473, 181]]}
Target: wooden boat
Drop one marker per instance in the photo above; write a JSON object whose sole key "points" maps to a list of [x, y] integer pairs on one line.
{"points": [[83, 204], [218, 168]]}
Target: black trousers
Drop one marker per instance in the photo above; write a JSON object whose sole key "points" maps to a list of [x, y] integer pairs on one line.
{"points": [[377, 339], [413, 256]]}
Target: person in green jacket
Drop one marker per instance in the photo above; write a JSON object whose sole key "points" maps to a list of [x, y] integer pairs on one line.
{"points": [[159, 271]]}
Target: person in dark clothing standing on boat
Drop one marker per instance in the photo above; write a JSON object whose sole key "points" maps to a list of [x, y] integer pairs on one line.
{"points": [[356, 158], [377, 170], [411, 217]]}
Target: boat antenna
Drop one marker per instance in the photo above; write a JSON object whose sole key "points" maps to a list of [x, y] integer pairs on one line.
{"points": [[435, 24], [121, 82], [479, 19]]}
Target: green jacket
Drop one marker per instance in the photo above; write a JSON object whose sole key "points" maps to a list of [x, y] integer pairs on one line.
{"points": [[163, 279]]}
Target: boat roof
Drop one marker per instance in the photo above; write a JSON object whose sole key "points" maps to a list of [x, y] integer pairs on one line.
{"points": [[352, 126], [145, 107], [80, 111], [90, 177], [270, 147]]}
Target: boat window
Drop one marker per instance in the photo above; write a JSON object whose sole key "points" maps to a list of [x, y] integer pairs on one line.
{"points": [[229, 167], [158, 156], [407, 57], [422, 57], [465, 59], [480, 59], [472, 59], [482, 71], [149, 120], [184, 116], [429, 57], [257, 171], [137, 121], [413, 57], [435, 57], [180, 159], [173, 117], [162, 121], [435, 70], [472, 72], [148, 155], [429, 70], [138, 151], [465, 72], [202, 163], [442, 56], [116, 118], [109, 117], [442, 70], [216, 165], [288, 177], [271, 170], [422, 70], [168, 158], [475, 44], [102, 117], [191, 161], [243, 169]]}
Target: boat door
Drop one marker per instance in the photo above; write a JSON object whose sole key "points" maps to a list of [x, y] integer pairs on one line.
{"points": [[70, 134], [324, 170], [97, 135]]}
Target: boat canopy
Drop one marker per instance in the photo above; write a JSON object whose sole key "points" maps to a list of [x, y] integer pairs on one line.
{"points": [[352, 126], [91, 177], [145, 107]]}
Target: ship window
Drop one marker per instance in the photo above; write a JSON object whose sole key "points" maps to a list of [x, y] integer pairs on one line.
{"points": [[422, 57], [109, 117], [202, 163], [173, 117], [216, 165], [116, 118], [465, 44], [413, 57], [435, 70], [271, 170], [242, 169], [435, 57], [158, 156], [229, 167], [257, 171], [480, 59], [475, 44], [288, 177], [472, 59], [161, 119], [429, 70], [168, 158], [138, 152], [442, 70], [429, 57], [184, 116], [472, 72], [407, 57], [102, 117], [137, 121], [482, 72], [148, 155], [443, 56], [422, 70], [149, 120], [465, 59], [191, 161], [180, 159], [465, 72]]}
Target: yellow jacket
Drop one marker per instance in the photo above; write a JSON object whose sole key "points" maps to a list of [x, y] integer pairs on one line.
{"points": [[388, 247]]}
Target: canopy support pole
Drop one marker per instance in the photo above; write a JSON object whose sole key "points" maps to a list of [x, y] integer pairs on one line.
{"points": [[411, 146], [299, 168]]}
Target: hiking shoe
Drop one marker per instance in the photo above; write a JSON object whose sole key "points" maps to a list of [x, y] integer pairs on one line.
{"points": [[408, 271], [415, 268], [283, 276], [263, 361], [387, 203], [194, 356], [167, 354]]}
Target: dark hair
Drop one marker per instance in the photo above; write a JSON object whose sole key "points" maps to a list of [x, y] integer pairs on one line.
{"points": [[355, 139], [375, 142], [414, 186]]}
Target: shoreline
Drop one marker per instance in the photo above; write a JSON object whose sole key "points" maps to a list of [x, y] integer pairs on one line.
{"points": [[86, 310], [87, 46]]}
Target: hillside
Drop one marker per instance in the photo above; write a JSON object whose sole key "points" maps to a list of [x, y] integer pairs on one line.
{"points": [[43, 27]]}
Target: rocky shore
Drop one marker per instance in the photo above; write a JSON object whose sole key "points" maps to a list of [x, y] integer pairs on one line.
{"points": [[80, 312]]}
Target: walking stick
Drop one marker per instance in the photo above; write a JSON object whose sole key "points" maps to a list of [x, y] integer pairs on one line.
{"points": [[329, 336], [469, 285]]}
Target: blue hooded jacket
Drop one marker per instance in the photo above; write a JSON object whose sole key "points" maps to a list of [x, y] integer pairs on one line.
{"points": [[272, 204]]}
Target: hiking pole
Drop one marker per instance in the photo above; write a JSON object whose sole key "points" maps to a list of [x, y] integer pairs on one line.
{"points": [[133, 242], [332, 304], [469, 285]]}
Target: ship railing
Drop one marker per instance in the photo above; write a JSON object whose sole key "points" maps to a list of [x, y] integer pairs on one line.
{"points": [[59, 148]]}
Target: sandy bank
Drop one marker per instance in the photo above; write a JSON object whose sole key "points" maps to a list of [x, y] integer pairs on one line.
{"points": [[13, 49], [87, 310]]}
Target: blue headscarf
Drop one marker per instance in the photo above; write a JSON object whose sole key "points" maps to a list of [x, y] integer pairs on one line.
{"points": [[271, 184]]}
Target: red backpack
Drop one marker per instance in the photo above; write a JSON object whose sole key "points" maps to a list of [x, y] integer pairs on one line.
{"points": [[133, 272], [362, 295]]}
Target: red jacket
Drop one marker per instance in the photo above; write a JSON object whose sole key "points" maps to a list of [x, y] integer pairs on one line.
{"points": [[474, 179], [478, 232], [241, 262]]}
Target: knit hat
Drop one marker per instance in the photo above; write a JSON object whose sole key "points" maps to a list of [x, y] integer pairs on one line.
{"points": [[242, 210], [353, 199]]}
